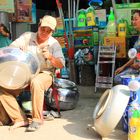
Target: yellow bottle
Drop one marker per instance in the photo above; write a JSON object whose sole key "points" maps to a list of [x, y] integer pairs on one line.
{"points": [[134, 129], [121, 29], [90, 17]]}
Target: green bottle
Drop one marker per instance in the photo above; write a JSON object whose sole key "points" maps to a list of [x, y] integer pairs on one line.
{"points": [[81, 21], [111, 26]]}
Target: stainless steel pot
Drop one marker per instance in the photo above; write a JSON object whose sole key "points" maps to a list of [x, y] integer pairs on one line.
{"points": [[68, 94], [64, 83], [17, 68], [67, 91]]}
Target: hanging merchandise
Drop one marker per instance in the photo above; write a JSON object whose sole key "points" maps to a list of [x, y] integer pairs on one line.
{"points": [[122, 29], [90, 16], [81, 21], [95, 3], [84, 56], [111, 26]]}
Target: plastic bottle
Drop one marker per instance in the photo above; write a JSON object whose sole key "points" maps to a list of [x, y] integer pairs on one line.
{"points": [[111, 25], [81, 21], [90, 15], [65, 73], [122, 29], [134, 125]]}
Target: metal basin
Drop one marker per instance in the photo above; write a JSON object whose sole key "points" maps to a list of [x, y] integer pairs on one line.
{"points": [[17, 68]]}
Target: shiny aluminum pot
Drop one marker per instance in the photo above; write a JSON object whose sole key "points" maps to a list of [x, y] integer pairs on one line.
{"points": [[64, 83], [17, 68], [68, 95]]}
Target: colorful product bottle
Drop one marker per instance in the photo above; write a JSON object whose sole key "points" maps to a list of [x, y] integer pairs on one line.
{"points": [[134, 125], [81, 21], [111, 25], [122, 29], [90, 15]]}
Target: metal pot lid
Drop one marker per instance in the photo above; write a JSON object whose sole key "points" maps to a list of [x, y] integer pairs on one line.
{"points": [[14, 75]]}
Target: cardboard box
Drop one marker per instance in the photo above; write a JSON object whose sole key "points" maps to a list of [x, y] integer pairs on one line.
{"points": [[119, 42]]}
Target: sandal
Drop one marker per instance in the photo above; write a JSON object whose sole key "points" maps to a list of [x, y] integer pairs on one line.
{"points": [[33, 126], [55, 114], [48, 117]]}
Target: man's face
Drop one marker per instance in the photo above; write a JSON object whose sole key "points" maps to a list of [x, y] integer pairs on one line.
{"points": [[44, 32], [136, 21]]}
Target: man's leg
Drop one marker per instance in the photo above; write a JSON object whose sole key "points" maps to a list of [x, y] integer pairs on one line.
{"points": [[38, 85], [4, 118], [12, 109]]}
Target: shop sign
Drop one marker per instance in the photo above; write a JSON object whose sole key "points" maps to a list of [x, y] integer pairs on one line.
{"points": [[7, 6], [23, 11]]}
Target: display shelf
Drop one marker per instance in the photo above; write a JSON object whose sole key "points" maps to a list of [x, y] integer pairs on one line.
{"points": [[86, 28]]}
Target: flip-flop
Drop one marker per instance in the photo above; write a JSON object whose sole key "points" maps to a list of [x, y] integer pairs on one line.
{"points": [[55, 114], [33, 126], [48, 117]]}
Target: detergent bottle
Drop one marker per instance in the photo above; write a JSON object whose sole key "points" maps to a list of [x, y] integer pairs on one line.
{"points": [[134, 117], [81, 21], [111, 25], [122, 29], [134, 125], [90, 16]]}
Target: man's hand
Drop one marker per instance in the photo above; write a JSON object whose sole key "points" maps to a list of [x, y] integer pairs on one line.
{"points": [[46, 54], [120, 69]]}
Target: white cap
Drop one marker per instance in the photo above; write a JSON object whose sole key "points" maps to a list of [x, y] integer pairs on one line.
{"points": [[48, 21]]}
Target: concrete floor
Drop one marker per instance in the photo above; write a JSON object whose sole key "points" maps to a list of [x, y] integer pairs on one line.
{"points": [[73, 125]]}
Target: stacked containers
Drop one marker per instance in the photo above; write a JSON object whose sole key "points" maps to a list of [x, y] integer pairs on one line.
{"points": [[86, 17], [131, 117]]}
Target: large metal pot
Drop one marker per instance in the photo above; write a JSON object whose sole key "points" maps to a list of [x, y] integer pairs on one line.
{"points": [[17, 68], [64, 83], [68, 94]]}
